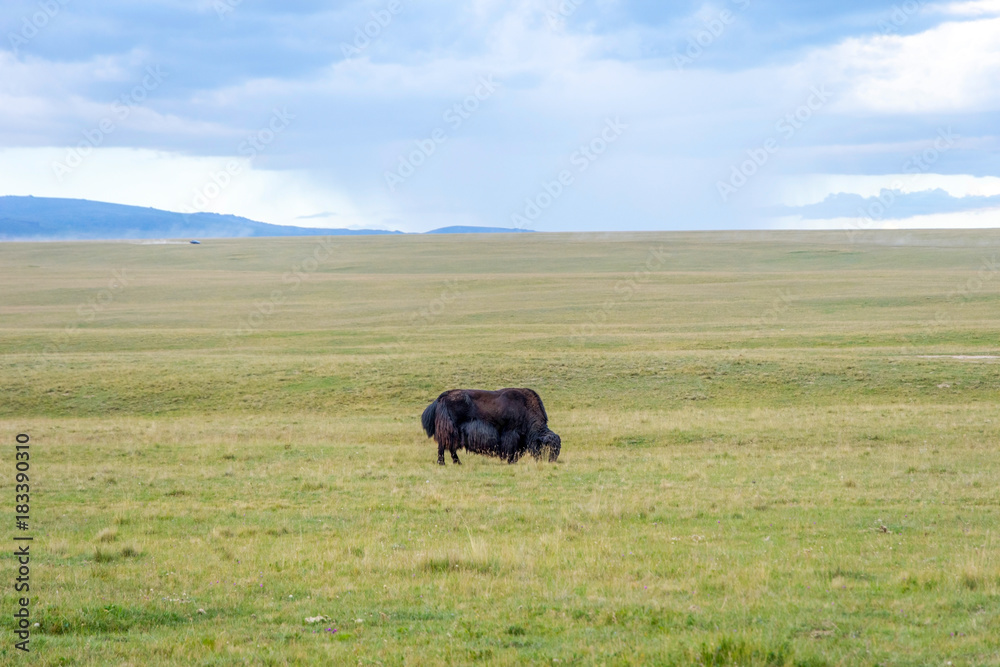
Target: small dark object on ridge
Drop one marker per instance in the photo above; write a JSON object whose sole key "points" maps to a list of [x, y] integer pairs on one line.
{"points": [[504, 423], [195, 242]]}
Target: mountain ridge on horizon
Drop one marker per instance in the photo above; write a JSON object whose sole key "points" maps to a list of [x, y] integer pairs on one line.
{"points": [[29, 218]]}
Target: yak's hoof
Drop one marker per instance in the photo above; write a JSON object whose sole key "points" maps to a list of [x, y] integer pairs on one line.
{"points": [[440, 462], [457, 462]]}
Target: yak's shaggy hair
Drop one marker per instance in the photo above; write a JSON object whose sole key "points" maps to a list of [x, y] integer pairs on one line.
{"points": [[505, 423]]}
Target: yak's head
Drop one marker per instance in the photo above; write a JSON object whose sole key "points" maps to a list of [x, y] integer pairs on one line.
{"points": [[546, 441]]}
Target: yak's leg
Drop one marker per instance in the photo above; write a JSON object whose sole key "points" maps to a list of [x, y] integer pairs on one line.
{"points": [[441, 452], [508, 445], [454, 453]]}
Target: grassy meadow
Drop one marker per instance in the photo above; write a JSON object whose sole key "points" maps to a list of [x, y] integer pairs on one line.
{"points": [[778, 449]]}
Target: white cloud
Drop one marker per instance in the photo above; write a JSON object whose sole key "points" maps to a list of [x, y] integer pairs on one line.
{"points": [[974, 8], [45, 102], [953, 67]]}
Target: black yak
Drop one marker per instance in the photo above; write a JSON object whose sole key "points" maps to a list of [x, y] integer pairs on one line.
{"points": [[505, 423]]}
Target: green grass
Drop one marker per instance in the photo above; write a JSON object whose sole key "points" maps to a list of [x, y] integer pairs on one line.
{"points": [[771, 455]]}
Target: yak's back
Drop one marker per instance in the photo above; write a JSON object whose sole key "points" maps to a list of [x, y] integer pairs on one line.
{"points": [[504, 406], [521, 402], [530, 399]]}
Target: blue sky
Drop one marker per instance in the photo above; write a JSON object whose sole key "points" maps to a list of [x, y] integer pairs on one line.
{"points": [[544, 114]]}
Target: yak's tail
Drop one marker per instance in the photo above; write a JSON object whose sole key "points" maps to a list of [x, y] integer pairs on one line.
{"points": [[428, 418]]}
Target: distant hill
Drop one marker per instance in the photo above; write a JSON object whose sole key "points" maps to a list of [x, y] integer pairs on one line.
{"points": [[46, 219], [50, 219], [477, 230]]}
